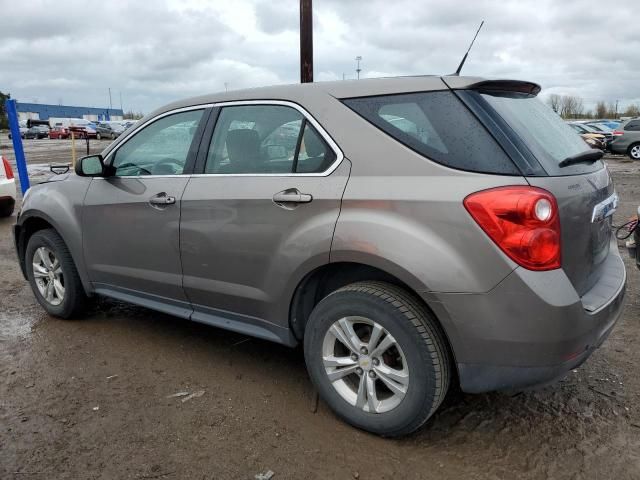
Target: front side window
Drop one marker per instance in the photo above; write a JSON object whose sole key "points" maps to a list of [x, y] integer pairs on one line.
{"points": [[160, 148], [266, 139]]}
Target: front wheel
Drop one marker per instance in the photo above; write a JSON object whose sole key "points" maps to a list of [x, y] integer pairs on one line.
{"points": [[377, 357], [53, 276], [634, 151]]}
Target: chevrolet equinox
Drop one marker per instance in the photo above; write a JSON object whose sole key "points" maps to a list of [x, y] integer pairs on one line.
{"points": [[408, 232]]}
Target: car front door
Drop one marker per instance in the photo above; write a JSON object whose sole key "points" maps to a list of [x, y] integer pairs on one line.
{"points": [[131, 220], [260, 214]]}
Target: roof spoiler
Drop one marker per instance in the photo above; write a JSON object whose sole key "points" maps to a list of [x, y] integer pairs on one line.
{"points": [[517, 86]]}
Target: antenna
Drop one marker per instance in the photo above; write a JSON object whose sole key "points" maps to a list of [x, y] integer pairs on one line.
{"points": [[464, 59]]}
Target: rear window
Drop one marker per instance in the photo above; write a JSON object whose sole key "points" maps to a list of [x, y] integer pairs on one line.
{"points": [[438, 126], [548, 138]]}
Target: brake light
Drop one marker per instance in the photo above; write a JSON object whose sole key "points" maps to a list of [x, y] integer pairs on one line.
{"points": [[523, 221], [618, 133], [7, 169]]}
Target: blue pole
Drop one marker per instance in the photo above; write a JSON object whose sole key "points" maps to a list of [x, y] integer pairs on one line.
{"points": [[21, 162]]}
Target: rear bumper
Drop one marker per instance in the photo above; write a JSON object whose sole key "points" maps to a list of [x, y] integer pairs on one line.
{"points": [[532, 328], [619, 145]]}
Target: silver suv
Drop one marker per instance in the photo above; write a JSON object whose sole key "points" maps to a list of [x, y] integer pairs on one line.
{"points": [[409, 232], [627, 138]]}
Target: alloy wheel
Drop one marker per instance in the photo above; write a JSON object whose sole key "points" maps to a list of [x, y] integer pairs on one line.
{"points": [[635, 152], [365, 364], [48, 275]]}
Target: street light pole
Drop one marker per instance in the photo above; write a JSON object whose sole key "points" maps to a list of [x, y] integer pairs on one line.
{"points": [[358, 70], [306, 41]]}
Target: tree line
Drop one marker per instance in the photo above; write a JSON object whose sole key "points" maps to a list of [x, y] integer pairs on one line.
{"points": [[572, 107]]}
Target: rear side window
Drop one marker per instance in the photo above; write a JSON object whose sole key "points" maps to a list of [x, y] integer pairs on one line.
{"points": [[633, 126], [438, 126]]}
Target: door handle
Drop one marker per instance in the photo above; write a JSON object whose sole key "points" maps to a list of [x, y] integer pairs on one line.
{"points": [[162, 199], [292, 196]]}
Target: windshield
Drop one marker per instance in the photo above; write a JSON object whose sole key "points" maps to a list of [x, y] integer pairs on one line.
{"points": [[543, 132]]}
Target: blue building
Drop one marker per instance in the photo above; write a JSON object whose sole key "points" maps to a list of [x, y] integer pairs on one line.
{"points": [[40, 111]]}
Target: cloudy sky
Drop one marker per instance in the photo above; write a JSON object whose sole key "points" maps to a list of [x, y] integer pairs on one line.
{"points": [[156, 51]]}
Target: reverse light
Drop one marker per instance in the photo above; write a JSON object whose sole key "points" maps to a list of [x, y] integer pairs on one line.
{"points": [[7, 169], [523, 221]]}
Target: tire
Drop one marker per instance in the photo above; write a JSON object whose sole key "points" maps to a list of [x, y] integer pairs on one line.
{"points": [[98, 136], [74, 299], [418, 349], [634, 151]]}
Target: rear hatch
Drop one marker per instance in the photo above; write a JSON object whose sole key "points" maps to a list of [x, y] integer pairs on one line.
{"points": [[552, 156]]}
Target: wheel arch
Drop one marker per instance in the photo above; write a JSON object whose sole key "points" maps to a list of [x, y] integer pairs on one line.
{"points": [[327, 278], [34, 221], [634, 144]]}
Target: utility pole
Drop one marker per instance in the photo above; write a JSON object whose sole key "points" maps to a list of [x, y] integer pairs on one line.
{"points": [[110, 104], [306, 41], [358, 70], [616, 109], [121, 102]]}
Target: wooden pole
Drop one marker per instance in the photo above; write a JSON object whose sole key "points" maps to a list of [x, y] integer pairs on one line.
{"points": [[73, 150], [306, 41]]}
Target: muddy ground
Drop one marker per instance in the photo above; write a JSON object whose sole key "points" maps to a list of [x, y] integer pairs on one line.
{"points": [[90, 399]]}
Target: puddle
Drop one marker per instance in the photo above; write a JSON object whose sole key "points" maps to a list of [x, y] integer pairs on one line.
{"points": [[16, 325]]}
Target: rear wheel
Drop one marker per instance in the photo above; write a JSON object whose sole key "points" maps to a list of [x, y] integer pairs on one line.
{"points": [[53, 275], [634, 151], [98, 136], [377, 357]]}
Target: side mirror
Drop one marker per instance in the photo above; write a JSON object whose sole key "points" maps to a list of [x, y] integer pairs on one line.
{"points": [[93, 166]]}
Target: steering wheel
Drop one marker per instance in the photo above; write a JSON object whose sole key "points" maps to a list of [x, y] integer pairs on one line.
{"points": [[142, 170], [163, 166]]}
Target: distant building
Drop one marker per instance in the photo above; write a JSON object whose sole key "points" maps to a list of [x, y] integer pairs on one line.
{"points": [[40, 111]]}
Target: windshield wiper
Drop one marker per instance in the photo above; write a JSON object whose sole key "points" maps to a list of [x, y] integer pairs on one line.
{"points": [[590, 156]]}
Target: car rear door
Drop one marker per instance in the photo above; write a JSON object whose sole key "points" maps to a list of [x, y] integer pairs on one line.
{"points": [[131, 221], [259, 215]]}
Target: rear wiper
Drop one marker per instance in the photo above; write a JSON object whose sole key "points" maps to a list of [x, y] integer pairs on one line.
{"points": [[589, 156]]}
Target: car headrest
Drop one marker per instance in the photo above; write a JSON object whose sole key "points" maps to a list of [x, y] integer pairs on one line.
{"points": [[243, 144]]}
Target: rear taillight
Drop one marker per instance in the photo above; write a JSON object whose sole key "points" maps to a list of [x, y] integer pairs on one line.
{"points": [[7, 169], [618, 133], [523, 221]]}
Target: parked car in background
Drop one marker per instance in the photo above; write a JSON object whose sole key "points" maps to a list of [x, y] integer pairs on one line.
{"points": [[596, 143], [407, 239], [593, 137], [7, 188], [59, 133], [83, 131], [612, 124], [110, 130], [37, 132], [627, 138], [23, 129]]}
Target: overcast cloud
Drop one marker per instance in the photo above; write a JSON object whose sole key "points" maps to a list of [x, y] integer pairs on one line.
{"points": [[156, 51]]}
